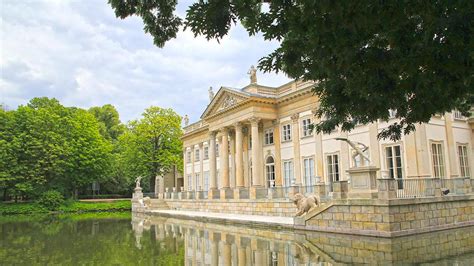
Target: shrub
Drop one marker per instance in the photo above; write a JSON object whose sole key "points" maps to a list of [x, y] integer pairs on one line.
{"points": [[51, 200]]}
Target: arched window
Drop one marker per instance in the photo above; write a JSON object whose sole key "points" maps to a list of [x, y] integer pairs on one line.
{"points": [[270, 171]]}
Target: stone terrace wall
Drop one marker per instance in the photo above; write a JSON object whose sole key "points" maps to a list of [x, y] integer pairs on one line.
{"points": [[401, 250], [251, 207], [390, 218]]}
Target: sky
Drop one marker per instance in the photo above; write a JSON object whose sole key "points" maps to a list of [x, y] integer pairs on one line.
{"points": [[81, 54]]}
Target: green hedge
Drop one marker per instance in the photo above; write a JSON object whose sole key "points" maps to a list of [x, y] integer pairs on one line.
{"points": [[68, 207]]}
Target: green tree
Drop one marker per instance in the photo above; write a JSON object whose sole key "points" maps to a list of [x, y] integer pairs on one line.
{"points": [[152, 145], [367, 57], [45, 145], [109, 122]]}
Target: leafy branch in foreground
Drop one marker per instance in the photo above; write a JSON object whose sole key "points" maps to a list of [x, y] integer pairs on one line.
{"points": [[368, 57]]}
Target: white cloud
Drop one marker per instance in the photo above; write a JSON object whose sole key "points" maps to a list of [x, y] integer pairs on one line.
{"points": [[81, 54]]}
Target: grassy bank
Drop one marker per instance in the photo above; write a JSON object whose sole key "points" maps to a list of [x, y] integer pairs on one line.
{"points": [[68, 207]]}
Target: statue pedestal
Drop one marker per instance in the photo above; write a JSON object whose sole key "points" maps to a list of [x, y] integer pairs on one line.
{"points": [[138, 194], [363, 182]]}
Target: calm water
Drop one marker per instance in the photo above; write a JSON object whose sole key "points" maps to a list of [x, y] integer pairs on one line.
{"points": [[119, 239]]}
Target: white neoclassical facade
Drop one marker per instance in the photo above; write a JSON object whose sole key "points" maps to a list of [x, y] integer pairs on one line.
{"points": [[258, 136]]}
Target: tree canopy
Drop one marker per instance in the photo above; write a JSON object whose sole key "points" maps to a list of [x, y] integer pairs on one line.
{"points": [[47, 146], [367, 57]]}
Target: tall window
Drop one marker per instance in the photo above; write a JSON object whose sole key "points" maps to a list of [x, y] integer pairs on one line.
{"points": [[463, 161], [309, 171], [270, 167], [206, 181], [333, 167], [287, 172], [458, 115], [197, 152], [286, 132], [250, 142], [306, 127], [188, 157], [269, 136], [206, 152], [393, 157], [190, 182], [438, 159], [217, 149], [198, 183]]}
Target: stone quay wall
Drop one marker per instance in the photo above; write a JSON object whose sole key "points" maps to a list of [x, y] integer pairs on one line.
{"points": [[389, 218], [346, 249], [250, 207]]}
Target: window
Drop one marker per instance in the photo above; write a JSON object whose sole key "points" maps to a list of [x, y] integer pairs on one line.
{"points": [[306, 127], [270, 167], [217, 149], [287, 173], [250, 142], [463, 161], [458, 115], [206, 181], [392, 113], [198, 184], [196, 155], [188, 157], [287, 132], [333, 167], [309, 171], [269, 136], [437, 159], [206, 153], [393, 159], [190, 182]]}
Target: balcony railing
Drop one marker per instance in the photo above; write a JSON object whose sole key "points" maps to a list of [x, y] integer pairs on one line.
{"points": [[416, 187]]}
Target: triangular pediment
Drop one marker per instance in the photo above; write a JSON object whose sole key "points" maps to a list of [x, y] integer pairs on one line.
{"points": [[224, 99]]}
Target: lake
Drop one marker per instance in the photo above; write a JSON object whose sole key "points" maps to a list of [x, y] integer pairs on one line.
{"points": [[123, 239]]}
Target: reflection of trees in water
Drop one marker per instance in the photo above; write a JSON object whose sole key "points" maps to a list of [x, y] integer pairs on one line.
{"points": [[71, 241]]}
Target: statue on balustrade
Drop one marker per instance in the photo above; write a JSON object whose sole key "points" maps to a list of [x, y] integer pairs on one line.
{"points": [[360, 150], [304, 204]]}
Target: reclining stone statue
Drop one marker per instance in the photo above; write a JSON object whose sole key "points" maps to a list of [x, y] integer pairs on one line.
{"points": [[304, 204]]}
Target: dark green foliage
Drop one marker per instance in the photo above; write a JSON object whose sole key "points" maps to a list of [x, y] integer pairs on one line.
{"points": [[51, 200], [66, 207], [368, 57]]}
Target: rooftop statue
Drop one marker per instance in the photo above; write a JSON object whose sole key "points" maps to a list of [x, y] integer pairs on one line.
{"points": [[359, 150], [211, 94], [253, 75], [186, 120]]}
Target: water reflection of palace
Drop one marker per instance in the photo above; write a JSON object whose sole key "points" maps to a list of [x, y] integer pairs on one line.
{"points": [[225, 244]]}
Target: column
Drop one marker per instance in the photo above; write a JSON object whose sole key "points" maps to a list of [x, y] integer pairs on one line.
{"points": [[318, 140], [185, 177], [226, 252], [452, 169], [225, 158], [193, 171], [422, 149], [276, 140], [232, 160], [296, 148], [256, 161], [225, 192], [245, 163], [212, 166], [239, 169], [374, 147]]}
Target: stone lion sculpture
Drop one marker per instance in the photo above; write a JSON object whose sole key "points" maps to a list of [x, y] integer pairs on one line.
{"points": [[304, 204], [145, 202]]}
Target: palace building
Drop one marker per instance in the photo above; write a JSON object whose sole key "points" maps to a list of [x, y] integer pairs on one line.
{"points": [[258, 137]]}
